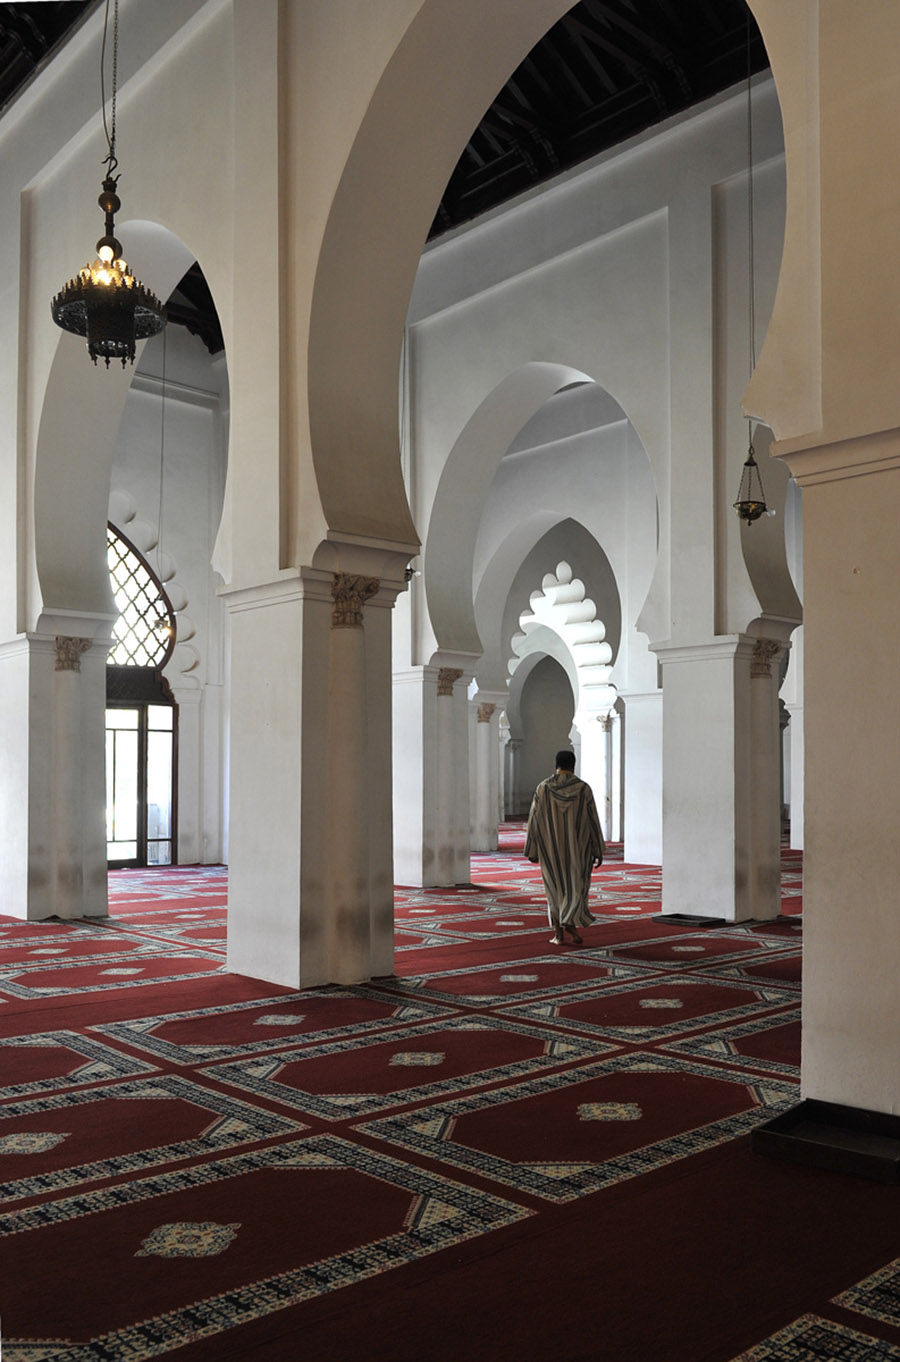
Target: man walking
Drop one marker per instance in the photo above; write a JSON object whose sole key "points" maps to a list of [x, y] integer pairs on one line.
{"points": [[564, 836]]}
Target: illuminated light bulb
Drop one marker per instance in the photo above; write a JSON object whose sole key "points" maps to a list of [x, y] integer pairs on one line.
{"points": [[106, 253]]}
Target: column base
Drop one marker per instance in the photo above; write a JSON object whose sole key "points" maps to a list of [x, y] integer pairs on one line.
{"points": [[865, 1144], [689, 920]]}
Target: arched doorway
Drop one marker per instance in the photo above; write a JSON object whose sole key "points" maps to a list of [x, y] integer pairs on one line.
{"points": [[141, 718]]}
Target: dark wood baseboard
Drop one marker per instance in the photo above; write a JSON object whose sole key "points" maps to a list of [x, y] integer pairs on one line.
{"points": [[689, 920], [865, 1144]]}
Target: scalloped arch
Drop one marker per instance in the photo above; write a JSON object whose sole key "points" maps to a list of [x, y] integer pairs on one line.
{"points": [[562, 607]]}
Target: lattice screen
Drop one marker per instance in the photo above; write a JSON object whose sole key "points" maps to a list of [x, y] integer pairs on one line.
{"points": [[144, 632]]}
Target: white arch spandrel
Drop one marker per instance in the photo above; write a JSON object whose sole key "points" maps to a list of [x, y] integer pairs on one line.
{"points": [[464, 484], [378, 218]]}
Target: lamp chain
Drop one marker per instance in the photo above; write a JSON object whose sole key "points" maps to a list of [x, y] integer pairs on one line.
{"points": [[110, 160], [750, 230]]}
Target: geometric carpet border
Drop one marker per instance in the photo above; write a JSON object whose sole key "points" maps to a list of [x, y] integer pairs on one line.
{"points": [[103, 1064], [411, 984], [811, 1339], [23, 992], [252, 1076], [878, 1296], [718, 1044], [730, 971], [188, 933], [546, 1012], [465, 1214], [139, 1033], [428, 1131], [239, 1123], [762, 948]]}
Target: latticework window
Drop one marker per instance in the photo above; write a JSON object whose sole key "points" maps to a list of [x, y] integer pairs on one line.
{"points": [[144, 633]]}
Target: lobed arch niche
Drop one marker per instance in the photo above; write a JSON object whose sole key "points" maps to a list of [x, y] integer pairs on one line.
{"points": [[562, 642]]}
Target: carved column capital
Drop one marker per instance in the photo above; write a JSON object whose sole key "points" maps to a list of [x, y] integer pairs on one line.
{"points": [[485, 713], [447, 677], [605, 722], [68, 653], [765, 652], [350, 594]]}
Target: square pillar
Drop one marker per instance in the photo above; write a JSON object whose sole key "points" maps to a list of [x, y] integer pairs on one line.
{"points": [[643, 777], [851, 936], [484, 775], [721, 779], [431, 765], [310, 876], [53, 689]]}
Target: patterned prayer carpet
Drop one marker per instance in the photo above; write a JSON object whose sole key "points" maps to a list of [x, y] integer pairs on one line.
{"points": [[507, 1150]]}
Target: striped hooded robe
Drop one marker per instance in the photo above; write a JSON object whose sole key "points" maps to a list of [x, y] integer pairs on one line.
{"points": [[564, 836]]}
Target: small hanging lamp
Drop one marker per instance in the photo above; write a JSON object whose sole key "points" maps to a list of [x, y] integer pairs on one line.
{"points": [[104, 302], [751, 498]]}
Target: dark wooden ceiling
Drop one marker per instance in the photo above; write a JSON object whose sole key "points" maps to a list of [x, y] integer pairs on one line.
{"points": [[609, 69]]}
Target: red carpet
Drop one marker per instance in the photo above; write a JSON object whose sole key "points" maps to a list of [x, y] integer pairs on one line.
{"points": [[506, 1151]]}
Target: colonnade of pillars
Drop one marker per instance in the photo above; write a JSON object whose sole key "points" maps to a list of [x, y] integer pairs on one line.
{"points": [[312, 788]]}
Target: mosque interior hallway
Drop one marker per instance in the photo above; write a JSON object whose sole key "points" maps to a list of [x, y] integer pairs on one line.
{"points": [[543, 1151]]}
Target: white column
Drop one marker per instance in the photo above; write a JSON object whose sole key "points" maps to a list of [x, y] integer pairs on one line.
{"points": [[310, 847], [851, 931], [765, 781], [721, 832], [452, 787], [415, 773], [594, 764], [643, 778], [513, 794], [349, 926], [502, 761], [53, 800], [615, 777], [486, 775], [792, 694], [190, 784]]}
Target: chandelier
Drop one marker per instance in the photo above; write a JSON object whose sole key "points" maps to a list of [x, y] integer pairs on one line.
{"points": [[104, 302]]}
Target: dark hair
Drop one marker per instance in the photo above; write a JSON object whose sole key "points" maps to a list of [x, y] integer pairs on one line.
{"points": [[565, 761]]}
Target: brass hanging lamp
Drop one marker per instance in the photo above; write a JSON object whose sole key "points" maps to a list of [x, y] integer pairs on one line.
{"points": [[104, 302]]}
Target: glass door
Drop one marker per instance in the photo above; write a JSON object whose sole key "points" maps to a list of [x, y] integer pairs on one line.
{"points": [[140, 770]]}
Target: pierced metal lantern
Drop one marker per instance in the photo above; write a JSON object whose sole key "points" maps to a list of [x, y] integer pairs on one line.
{"points": [[751, 499], [104, 302]]}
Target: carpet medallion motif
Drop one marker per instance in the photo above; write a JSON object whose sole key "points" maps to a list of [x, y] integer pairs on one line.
{"points": [[422, 1214], [186, 1239], [492, 1134], [196, 1120], [310, 1079], [223, 1155]]}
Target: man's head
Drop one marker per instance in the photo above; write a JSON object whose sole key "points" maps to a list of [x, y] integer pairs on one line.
{"points": [[565, 761]]}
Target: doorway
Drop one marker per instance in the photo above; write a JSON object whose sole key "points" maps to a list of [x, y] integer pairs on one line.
{"points": [[140, 769], [141, 716]]}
